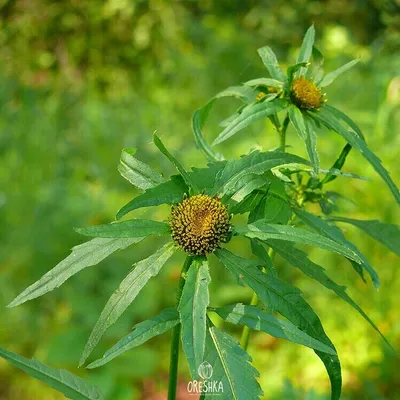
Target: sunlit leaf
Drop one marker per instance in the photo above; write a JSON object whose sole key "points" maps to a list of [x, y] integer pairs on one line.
{"points": [[337, 166], [264, 82], [126, 293], [253, 163], [198, 120], [63, 381], [387, 234], [82, 256], [170, 192], [255, 318], [306, 49], [263, 230], [331, 76], [271, 63], [178, 165], [193, 311], [249, 115], [287, 300], [132, 228], [329, 119], [137, 172], [140, 334], [334, 233], [299, 259], [231, 366]]}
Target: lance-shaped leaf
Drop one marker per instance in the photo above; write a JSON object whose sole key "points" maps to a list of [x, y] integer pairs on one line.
{"points": [[170, 192], [126, 293], [287, 300], [247, 204], [257, 319], [306, 131], [337, 166], [72, 386], [306, 49], [231, 368], [272, 209], [387, 234], [263, 230], [82, 256], [198, 120], [343, 117], [259, 251], [244, 187], [186, 177], [254, 163], [137, 172], [249, 115], [329, 119], [141, 333], [331, 76], [193, 312], [300, 260], [264, 82], [243, 93], [334, 233], [270, 61], [317, 66], [127, 229]]}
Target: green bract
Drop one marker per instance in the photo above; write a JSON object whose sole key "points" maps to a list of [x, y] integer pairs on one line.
{"points": [[273, 189]]}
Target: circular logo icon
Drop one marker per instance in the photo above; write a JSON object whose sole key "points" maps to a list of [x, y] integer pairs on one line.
{"points": [[205, 370]]}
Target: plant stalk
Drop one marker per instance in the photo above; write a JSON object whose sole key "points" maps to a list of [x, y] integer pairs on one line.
{"points": [[174, 357]]}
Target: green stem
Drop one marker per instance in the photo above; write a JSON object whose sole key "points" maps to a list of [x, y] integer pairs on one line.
{"points": [[174, 358], [282, 132], [245, 339]]}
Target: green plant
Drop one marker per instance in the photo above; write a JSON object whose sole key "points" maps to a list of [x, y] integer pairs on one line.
{"points": [[273, 188]]}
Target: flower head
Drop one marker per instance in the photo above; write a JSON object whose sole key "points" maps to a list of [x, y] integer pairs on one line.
{"points": [[305, 94], [199, 224]]}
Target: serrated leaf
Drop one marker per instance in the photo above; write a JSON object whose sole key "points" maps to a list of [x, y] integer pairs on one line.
{"points": [[178, 165], [141, 333], [264, 82], [272, 209], [132, 228], [247, 204], [331, 76], [169, 192], [231, 366], [82, 256], [72, 386], [311, 143], [296, 118], [255, 318], [244, 187], [249, 115], [334, 233], [137, 172], [306, 49], [193, 312], [259, 251], [271, 63], [329, 119], [299, 259], [287, 300], [198, 120], [126, 293], [264, 231], [253, 163], [387, 234]]}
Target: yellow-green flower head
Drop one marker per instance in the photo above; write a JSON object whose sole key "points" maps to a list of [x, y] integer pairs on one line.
{"points": [[199, 224], [305, 94]]}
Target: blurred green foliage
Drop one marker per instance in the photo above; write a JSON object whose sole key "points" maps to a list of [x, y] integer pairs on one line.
{"points": [[80, 80]]}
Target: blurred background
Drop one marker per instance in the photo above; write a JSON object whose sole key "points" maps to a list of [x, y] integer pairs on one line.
{"points": [[81, 79]]}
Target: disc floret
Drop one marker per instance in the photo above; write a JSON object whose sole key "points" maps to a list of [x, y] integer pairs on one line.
{"points": [[199, 224], [306, 94]]}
